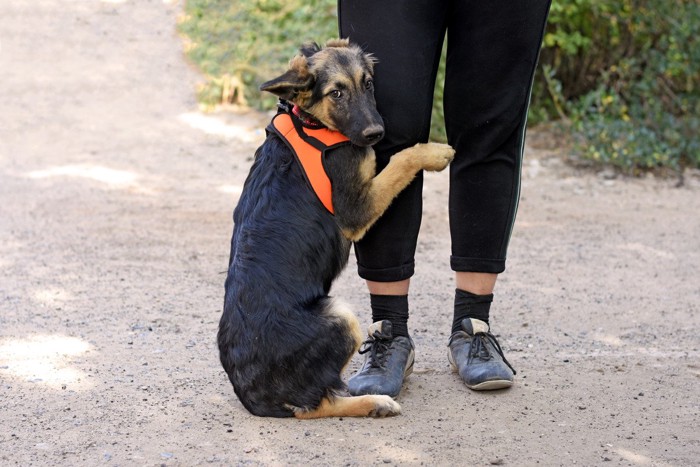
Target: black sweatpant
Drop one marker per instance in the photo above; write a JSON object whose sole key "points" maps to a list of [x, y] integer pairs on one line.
{"points": [[493, 46]]}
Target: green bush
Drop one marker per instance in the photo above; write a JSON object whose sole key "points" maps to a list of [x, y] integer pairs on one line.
{"points": [[622, 75], [625, 76], [241, 44]]}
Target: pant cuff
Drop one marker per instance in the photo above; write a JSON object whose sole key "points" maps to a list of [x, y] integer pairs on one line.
{"points": [[493, 266], [394, 274]]}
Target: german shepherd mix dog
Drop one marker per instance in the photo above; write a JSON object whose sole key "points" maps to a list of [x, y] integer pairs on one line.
{"points": [[282, 340]]}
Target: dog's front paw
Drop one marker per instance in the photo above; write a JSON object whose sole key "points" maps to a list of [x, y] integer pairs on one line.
{"points": [[384, 406], [436, 156]]}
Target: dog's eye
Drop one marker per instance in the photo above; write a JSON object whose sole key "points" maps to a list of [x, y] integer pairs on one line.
{"points": [[335, 94], [369, 84]]}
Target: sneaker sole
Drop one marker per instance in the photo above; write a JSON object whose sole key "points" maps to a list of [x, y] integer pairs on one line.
{"points": [[490, 385], [486, 385], [409, 369]]}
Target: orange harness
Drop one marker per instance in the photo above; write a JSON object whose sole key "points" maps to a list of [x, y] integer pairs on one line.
{"points": [[309, 147]]}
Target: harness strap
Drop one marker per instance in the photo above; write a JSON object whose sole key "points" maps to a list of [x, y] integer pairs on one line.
{"points": [[309, 146]]}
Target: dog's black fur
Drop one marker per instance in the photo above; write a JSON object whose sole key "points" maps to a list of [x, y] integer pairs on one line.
{"points": [[285, 252], [283, 341]]}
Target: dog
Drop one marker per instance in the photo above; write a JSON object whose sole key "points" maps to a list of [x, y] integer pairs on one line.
{"points": [[283, 341]]}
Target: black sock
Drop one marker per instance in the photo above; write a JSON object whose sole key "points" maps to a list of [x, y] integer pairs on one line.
{"points": [[391, 307], [469, 305]]}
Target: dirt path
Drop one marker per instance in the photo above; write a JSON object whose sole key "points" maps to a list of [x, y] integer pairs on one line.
{"points": [[114, 227]]}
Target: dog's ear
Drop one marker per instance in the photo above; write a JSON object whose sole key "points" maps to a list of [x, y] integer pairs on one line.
{"points": [[309, 48], [296, 80]]}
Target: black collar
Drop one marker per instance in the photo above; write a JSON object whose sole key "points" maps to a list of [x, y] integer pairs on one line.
{"points": [[308, 120]]}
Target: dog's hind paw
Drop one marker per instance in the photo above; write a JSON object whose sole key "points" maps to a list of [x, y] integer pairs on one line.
{"points": [[384, 406]]}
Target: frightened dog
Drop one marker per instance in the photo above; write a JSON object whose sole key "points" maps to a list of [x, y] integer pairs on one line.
{"points": [[311, 191]]}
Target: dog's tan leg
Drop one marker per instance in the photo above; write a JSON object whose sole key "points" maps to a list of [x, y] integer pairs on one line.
{"points": [[342, 310], [355, 406], [402, 168]]}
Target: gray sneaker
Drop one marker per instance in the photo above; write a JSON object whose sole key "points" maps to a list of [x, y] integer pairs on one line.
{"points": [[388, 361], [475, 353]]}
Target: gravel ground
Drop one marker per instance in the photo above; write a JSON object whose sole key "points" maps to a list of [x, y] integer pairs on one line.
{"points": [[114, 229]]}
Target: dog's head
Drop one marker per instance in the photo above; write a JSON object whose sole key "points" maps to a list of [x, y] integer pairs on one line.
{"points": [[334, 85]]}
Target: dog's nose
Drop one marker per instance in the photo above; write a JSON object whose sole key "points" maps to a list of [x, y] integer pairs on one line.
{"points": [[373, 133]]}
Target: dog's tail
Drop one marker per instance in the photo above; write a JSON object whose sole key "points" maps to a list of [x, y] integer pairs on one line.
{"points": [[354, 406]]}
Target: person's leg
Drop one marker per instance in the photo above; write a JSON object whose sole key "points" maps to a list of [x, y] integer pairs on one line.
{"points": [[406, 37], [481, 283], [492, 53]]}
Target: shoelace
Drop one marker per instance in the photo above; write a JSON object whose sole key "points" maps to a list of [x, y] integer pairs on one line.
{"points": [[478, 348], [378, 346]]}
